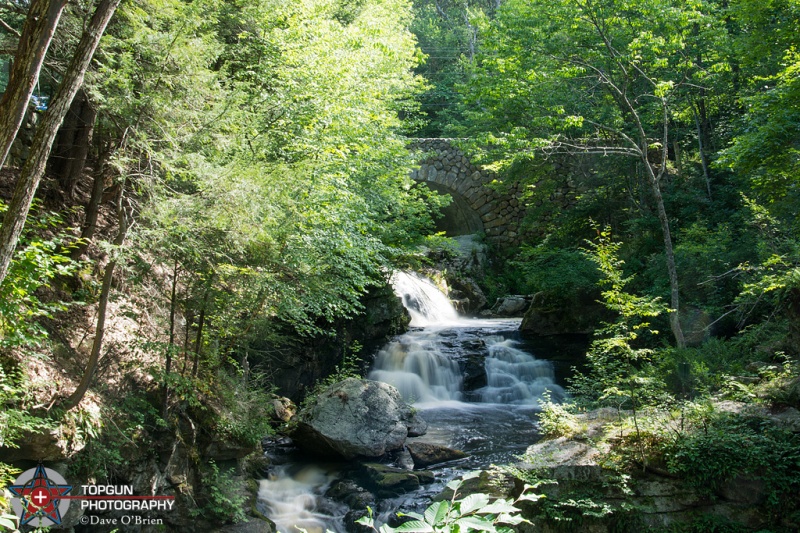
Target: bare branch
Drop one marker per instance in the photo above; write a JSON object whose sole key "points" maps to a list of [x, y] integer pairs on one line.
{"points": [[8, 28], [615, 131]]}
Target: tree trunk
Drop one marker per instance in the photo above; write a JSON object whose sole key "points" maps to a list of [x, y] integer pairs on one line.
{"points": [[173, 304], [37, 32], [198, 343], [92, 209], [701, 146], [75, 138], [34, 167], [97, 344], [672, 271]]}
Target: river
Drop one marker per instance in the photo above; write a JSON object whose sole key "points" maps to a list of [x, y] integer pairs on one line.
{"points": [[471, 379]]}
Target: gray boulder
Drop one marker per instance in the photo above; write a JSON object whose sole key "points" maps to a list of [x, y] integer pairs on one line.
{"points": [[356, 418], [511, 305]]}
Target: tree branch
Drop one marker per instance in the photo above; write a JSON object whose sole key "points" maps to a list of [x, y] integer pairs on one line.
{"points": [[9, 29]]}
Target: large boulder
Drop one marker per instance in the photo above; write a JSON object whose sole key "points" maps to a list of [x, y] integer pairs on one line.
{"points": [[356, 418]]}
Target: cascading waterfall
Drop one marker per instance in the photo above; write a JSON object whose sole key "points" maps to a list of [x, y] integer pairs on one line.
{"points": [[514, 376], [418, 368], [290, 497], [426, 304], [478, 390], [423, 365]]}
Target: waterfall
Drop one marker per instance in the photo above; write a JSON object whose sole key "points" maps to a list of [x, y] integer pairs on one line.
{"points": [[516, 377], [426, 304], [291, 495], [424, 364], [477, 386], [419, 369]]}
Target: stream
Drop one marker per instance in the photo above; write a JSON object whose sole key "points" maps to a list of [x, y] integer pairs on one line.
{"points": [[470, 379]]}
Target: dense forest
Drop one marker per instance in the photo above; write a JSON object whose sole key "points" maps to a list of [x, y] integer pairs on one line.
{"points": [[203, 201]]}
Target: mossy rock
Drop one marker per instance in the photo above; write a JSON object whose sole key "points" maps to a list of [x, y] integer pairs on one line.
{"points": [[387, 480]]}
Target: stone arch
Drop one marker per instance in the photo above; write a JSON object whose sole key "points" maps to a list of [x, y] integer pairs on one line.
{"points": [[446, 169], [458, 218]]}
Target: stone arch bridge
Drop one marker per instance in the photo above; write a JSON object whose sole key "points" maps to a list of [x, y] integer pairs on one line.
{"points": [[476, 207]]}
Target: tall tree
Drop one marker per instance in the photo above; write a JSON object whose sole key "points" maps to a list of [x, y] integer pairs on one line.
{"points": [[34, 167], [37, 32], [590, 76]]}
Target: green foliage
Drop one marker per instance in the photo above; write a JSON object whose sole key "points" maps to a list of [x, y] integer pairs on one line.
{"points": [[8, 520], [128, 425], [474, 512], [563, 275], [707, 524], [766, 151], [448, 36], [618, 373], [38, 262], [349, 367], [17, 399], [244, 415], [724, 446], [556, 419], [222, 499], [574, 506]]}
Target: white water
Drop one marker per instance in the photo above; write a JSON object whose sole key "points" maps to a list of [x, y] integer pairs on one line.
{"points": [[421, 363], [426, 304], [290, 496], [514, 376], [416, 365], [492, 422]]}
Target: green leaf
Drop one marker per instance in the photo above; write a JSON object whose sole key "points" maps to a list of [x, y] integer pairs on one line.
{"points": [[415, 526], [454, 485], [510, 519], [497, 507], [437, 512], [472, 503], [476, 523], [530, 497]]}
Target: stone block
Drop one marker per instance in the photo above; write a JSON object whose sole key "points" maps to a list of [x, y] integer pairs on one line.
{"points": [[493, 223], [479, 202], [487, 208]]}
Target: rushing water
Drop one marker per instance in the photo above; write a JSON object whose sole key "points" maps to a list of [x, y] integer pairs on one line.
{"points": [[471, 380]]}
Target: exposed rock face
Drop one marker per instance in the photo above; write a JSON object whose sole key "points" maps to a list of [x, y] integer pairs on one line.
{"points": [[356, 418], [48, 445], [425, 454], [657, 499], [299, 367], [466, 296]]}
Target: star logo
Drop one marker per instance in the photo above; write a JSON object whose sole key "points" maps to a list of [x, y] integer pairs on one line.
{"points": [[39, 496]]}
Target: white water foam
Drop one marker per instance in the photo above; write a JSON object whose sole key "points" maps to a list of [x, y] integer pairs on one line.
{"points": [[291, 498], [426, 304], [420, 364]]}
